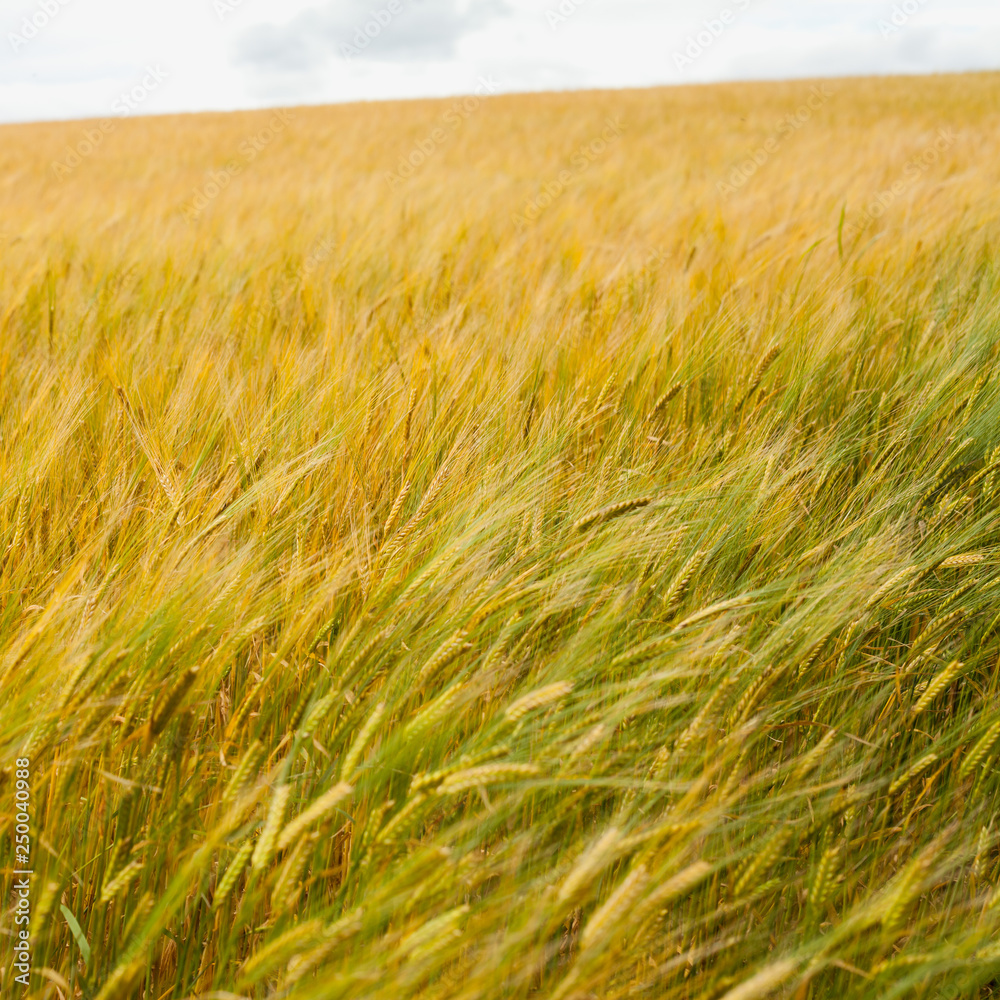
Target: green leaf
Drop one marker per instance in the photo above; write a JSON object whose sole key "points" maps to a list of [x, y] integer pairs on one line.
{"points": [[77, 933]]}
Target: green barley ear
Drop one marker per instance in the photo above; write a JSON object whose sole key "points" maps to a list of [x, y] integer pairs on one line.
{"points": [[279, 950], [165, 708], [765, 982], [39, 925], [357, 748], [445, 654], [766, 856], [609, 513], [604, 393], [287, 888], [592, 861], [757, 376], [313, 815], [906, 887], [937, 685], [894, 581], [978, 753], [962, 561], [486, 774], [113, 887], [823, 882], [332, 938], [267, 842], [661, 403], [139, 914], [433, 779], [812, 758], [122, 982], [245, 773], [397, 507], [433, 714], [364, 654], [434, 934], [235, 868], [537, 699], [915, 770], [982, 846], [318, 713], [608, 917], [674, 593]]}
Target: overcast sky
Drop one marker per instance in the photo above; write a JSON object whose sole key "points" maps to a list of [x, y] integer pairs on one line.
{"points": [[75, 58]]}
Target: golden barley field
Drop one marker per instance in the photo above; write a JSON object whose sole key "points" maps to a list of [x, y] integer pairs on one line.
{"points": [[505, 547]]}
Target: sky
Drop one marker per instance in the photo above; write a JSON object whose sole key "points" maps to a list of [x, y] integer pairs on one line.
{"points": [[63, 59]]}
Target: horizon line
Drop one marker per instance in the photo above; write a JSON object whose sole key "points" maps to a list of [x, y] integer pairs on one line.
{"points": [[546, 92]]}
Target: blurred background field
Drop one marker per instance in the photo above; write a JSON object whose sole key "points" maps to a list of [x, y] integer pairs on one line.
{"points": [[407, 592]]}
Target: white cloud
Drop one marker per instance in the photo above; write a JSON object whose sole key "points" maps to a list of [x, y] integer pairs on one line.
{"points": [[398, 30], [223, 54]]}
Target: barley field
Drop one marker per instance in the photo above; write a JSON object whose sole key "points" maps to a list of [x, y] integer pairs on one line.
{"points": [[506, 547]]}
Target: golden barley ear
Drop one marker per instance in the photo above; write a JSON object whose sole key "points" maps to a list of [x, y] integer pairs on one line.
{"points": [[661, 403], [937, 685], [611, 512], [758, 374]]}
